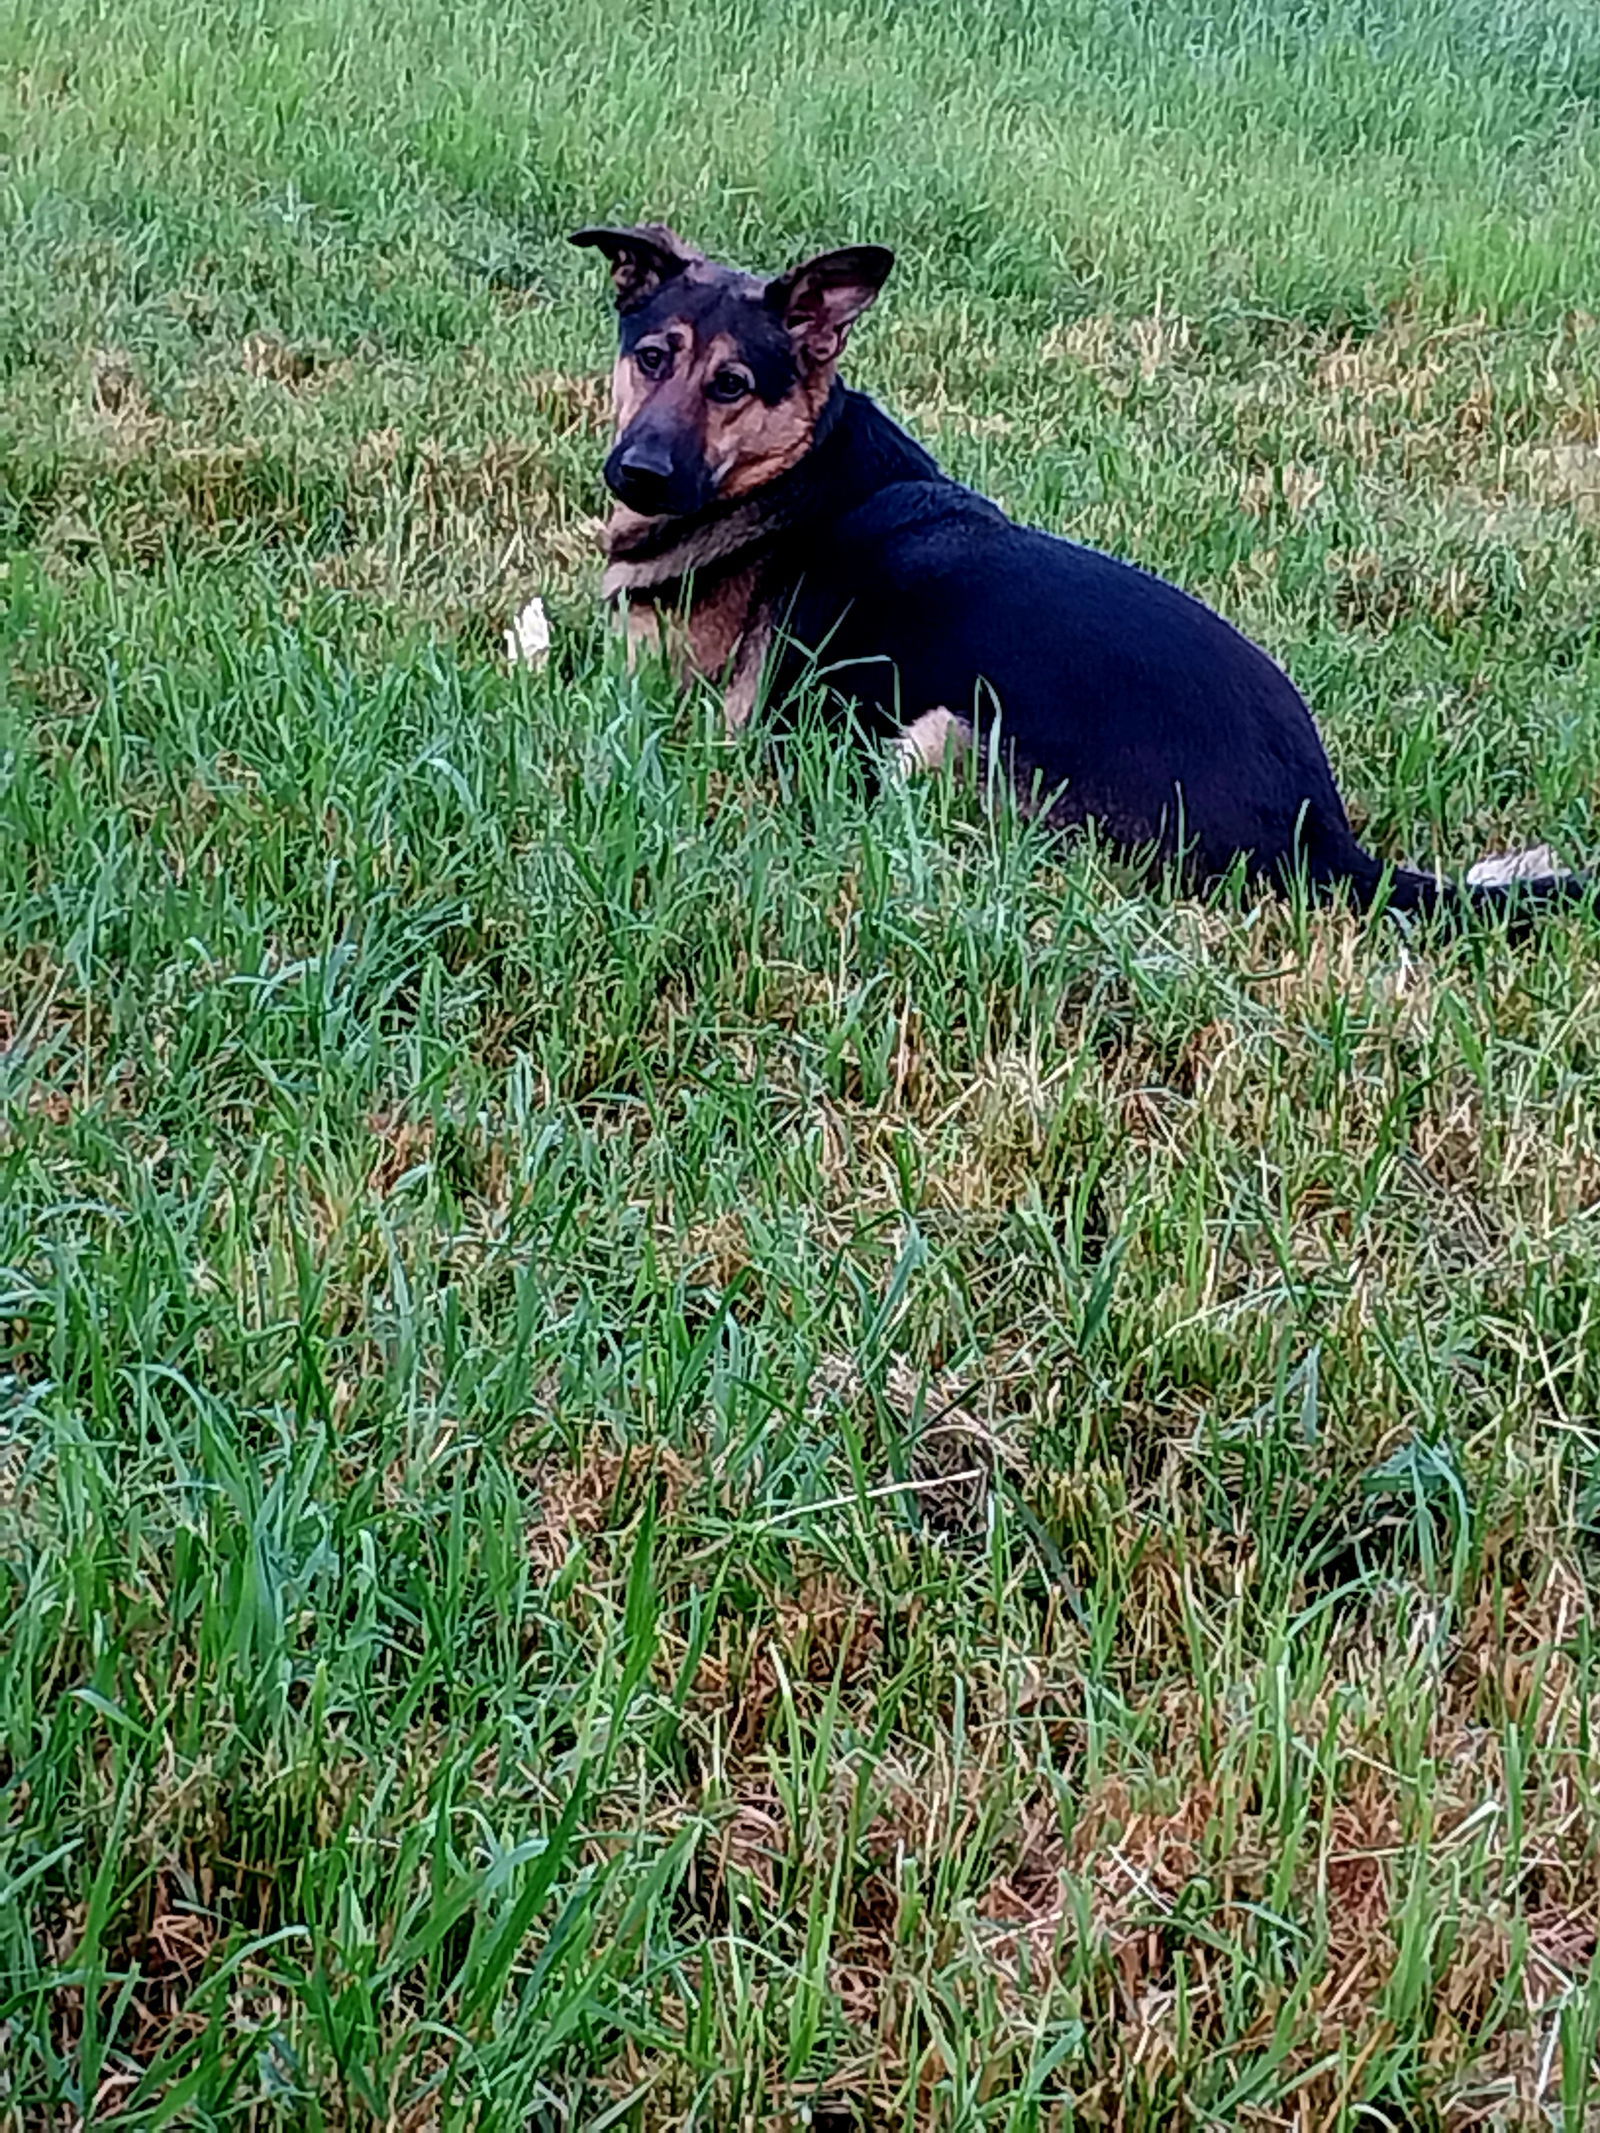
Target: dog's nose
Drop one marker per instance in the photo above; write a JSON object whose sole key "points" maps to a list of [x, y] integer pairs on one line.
{"points": [[641, 475], [645, 457]]}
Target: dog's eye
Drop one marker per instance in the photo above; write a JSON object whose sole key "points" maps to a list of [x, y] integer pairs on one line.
{"points": [[728, 386], [652, 361]]}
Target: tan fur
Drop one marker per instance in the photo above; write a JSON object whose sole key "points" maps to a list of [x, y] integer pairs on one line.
{"points": [[642, 623], [713, 640], [768, 441], [937, 737], [748, 668], [628, 393], [716, 622]]}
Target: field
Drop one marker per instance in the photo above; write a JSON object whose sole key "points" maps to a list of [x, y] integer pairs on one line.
{"points": [[688, 1439]]}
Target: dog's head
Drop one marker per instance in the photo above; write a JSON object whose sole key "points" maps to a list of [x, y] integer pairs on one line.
{"points": [[721, 375]]}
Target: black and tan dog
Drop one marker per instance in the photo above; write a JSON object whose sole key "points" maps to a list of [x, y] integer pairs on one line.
{"points": [[770, 521]]}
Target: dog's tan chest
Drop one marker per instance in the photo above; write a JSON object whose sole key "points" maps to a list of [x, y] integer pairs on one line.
{"points": [[718, 620], [720, 637]]}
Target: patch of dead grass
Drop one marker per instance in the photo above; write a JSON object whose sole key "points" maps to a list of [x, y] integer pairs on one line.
{"points": [[1563, 474], [269, 357], [1119, 351], [599, 1493]]}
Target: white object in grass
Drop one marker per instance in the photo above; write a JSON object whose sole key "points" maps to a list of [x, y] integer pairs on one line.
{"points": [[528, 639]]}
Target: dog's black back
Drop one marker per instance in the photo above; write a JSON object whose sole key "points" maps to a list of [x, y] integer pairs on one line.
{"points": [[1119, 699]]}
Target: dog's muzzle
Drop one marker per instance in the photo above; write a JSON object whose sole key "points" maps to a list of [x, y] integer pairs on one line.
{"points": [[650, 477]]}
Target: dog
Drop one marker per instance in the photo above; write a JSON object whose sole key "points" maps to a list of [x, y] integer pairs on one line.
{"points": [[773, 526]]}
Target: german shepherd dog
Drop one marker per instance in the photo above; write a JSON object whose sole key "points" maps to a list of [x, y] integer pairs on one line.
{"points": [[772, 523]]}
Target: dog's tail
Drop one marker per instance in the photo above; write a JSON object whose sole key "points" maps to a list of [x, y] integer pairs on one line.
{"points": [[1519, 889]]}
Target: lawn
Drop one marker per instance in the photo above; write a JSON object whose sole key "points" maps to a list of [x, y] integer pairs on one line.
{"points": [[689, 1439]]}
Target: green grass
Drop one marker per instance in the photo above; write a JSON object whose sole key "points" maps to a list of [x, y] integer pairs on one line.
{"points": [[686, 1441]]}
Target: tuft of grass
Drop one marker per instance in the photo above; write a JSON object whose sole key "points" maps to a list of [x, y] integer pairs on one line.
{"points": [[690, 1441]]}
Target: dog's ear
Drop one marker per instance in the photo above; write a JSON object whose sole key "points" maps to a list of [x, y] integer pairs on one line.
{"points": [[820, 301], [642, 258]]}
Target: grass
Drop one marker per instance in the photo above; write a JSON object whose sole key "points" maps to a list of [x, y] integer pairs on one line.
{"points": [[689, 1442]]}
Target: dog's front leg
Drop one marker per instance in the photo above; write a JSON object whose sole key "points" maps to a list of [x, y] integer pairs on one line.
{"points": [[936, 738], [640, 624]]}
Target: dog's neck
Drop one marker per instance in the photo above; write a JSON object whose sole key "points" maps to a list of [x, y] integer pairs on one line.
{"points": [[655, 557]]}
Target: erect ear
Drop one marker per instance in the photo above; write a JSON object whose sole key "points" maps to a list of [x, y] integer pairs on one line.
{"points": [[642, 258], [820, 301]]}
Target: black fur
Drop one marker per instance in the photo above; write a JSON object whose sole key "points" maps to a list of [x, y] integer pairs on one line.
{"points": [[1121, 699]]}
